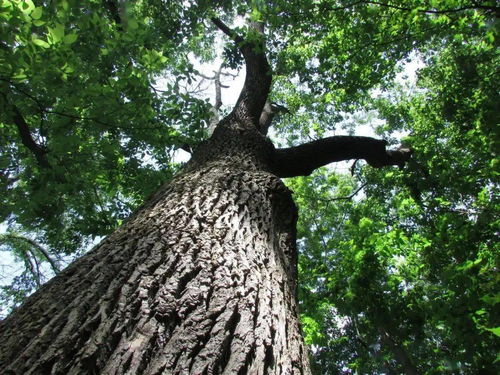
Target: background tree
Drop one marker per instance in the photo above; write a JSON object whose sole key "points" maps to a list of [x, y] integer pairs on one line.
{"points": [[87, 135]]}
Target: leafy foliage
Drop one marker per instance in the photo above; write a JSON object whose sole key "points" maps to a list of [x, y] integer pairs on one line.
{"points": [[405, 276], [85, 134], [398, 268]]}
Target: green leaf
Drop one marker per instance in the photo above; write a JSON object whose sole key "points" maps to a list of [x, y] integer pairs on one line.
{"points": [[37, 13], [495, 330], [40, 43], [19, 76], [132, 24], [56, 33], [491, 299], [70, 38], [27, 6], [365, 223]]}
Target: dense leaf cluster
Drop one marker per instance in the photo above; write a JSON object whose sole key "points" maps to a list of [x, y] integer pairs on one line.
{"points": [[85, 131]]}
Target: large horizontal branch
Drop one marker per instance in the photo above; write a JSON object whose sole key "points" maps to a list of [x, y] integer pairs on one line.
{"points": [[258, 77], [304, 159]]}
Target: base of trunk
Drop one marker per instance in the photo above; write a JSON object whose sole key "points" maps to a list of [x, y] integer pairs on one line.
{"points": [[200, 281]]}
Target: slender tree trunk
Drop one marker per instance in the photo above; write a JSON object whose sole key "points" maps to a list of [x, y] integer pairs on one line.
{"points": [[390, 341]]}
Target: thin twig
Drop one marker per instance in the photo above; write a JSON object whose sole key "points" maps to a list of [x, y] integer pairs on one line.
{"points": [[349, 196], [431, 11]]}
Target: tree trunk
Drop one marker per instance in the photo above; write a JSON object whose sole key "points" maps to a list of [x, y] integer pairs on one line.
{"points": [[397, 349], [201, 280]]}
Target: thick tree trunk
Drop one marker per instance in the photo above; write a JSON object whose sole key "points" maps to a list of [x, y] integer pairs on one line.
{"points": [[200, 281]]}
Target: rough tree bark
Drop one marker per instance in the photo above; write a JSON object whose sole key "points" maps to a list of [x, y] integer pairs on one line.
{"points": [[201, 279]]}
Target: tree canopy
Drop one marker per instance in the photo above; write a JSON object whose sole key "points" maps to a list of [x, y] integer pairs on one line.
{"points": [[398, 268]]}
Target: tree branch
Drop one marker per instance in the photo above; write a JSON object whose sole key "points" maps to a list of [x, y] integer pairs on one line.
{"points": [[348, 197], [269, 111], [114, 12], [227, 30], [38, 274], [436, 11], [321, 8], [44, 110], [487, 8], [218, 88], [38, 151], [31, 267], [304, 159], [53, 264], [258, 78]]}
